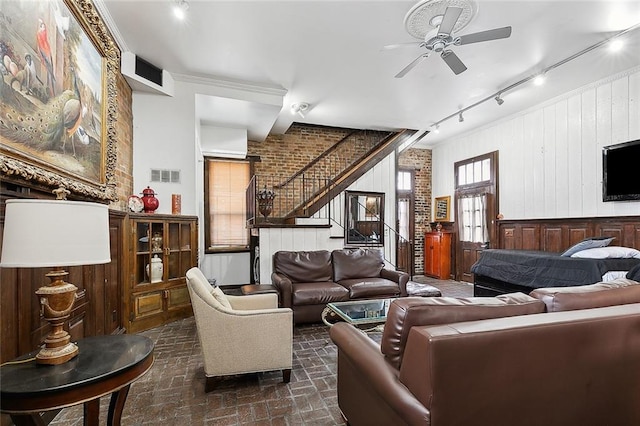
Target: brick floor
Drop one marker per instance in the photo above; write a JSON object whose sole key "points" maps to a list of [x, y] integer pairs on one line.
{"points": [[172, 392]]}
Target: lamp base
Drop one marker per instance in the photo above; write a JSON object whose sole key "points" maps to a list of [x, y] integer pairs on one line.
{"points": [[56, 301], [58, 355]]}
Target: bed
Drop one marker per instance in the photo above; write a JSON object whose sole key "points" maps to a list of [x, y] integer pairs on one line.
{"points": [[500, 271]]}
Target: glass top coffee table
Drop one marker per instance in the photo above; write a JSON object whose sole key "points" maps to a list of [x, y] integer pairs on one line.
{"points": [[370, 312]]}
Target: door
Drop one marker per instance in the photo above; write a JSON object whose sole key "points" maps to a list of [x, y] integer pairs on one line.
{"points": [[405, 225], [476, 200]]}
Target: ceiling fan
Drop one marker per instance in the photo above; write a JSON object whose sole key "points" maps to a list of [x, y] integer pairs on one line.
{"points": [[444, 39]]}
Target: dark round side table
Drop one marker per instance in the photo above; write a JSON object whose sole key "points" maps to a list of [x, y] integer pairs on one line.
{"points": [[105, 365]]}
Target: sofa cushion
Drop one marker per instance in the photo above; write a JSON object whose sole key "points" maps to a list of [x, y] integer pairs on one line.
{"points": [[620, 291], [318, 293], [356, 263], [303, 266], [407, 312], [361, 288]]}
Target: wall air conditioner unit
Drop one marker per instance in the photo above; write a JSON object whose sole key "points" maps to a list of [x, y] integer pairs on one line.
{"points": [[145, 77]]}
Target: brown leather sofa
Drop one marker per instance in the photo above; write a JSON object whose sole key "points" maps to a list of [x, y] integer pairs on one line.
{"points": [[308, 280], [441, 364]]}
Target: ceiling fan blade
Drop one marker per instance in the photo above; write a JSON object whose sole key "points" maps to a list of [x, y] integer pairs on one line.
{"points": [[413, 63], [485, 35], [453, 61], [399, 45], [449, 20]]}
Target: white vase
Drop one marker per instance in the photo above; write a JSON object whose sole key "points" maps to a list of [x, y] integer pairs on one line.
{"points": [[155, 270]]}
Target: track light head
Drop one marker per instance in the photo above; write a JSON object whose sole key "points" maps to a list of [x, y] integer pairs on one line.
{"points": [[180, 9], [499, 100], [539, 79], [299, 108], [436, 128], [460, 117]]}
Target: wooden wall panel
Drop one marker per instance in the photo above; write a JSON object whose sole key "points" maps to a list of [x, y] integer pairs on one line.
{"points": [[530, 238], [551, 238], [556, 235]]}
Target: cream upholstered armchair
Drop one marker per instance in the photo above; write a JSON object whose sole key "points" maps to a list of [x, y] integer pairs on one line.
{"points": [[240, 334]]}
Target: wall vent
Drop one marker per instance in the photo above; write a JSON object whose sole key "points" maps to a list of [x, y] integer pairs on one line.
{"points": [[165, 176]]}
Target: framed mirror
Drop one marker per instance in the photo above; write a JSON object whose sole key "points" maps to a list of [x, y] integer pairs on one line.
{"points": [[364, 218], [441, 209]]}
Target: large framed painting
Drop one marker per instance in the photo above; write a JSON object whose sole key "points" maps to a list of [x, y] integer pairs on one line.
{"points": [[58, 111]]}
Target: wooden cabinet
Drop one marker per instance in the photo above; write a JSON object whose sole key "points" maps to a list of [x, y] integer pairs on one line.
{"points": [[166, 242], [437, 255]]}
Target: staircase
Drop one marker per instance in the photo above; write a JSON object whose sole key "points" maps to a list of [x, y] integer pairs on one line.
{"points": [[311, 188]]}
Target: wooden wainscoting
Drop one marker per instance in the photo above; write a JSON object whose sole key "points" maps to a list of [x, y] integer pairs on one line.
{"points": [[556, 235]]}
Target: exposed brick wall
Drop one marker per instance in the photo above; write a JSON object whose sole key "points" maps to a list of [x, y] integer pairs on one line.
{"points": [[420, 161], [284, 155], [124, 145]]}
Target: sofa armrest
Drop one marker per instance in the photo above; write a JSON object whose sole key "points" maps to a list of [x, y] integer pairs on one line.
{"points": [[284, 286], [398, 276], [369, 391]]}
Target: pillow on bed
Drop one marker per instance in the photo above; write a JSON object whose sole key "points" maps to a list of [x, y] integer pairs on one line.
{"points": [[634, 273], [588, 243], [611, 252]]}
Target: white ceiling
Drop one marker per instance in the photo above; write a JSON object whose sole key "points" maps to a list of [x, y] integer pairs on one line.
{"points": [[329, 54]]}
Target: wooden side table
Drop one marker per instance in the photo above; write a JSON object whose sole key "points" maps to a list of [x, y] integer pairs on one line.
{"points": [[105, 365]]}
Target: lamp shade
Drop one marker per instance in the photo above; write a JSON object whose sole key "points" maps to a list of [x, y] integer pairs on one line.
{"points": [[55, 233]]}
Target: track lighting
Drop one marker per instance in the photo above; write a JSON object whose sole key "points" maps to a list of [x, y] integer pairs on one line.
{"points": [[180, 9], [436, 128], [613, 43], [299, 108]]}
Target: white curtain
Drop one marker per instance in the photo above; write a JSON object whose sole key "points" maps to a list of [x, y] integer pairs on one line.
{"points": [[473, 218]]}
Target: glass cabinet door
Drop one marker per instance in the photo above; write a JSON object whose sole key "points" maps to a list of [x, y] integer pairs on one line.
{"points": [[179, 250], [149, 252]]}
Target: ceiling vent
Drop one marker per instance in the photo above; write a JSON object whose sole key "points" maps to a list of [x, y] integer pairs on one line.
{"points": [[143, 76]]}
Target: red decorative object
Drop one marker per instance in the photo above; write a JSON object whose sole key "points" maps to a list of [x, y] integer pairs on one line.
{"points": [[150, 201]]}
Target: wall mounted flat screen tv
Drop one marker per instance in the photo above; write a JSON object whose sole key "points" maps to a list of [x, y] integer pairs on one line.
{"points": [[620, 163]]}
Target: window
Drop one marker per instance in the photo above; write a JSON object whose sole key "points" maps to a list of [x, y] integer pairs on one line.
{"points": [[405, 180], [473, 219], [225, 204]]}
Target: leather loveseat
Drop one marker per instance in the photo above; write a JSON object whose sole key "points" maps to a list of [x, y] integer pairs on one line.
{"points": [[440, 364], [308, 280]]}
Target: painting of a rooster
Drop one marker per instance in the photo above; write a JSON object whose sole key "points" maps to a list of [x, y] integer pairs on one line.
{"points": [[52, 88]]}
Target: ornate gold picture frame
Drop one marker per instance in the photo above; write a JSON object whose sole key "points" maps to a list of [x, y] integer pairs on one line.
{"points": [[57, 118], [441, 209]]}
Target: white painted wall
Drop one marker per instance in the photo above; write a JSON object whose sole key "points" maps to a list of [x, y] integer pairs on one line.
{"points": [[166, 136], [550, 156], [380, 178]]}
